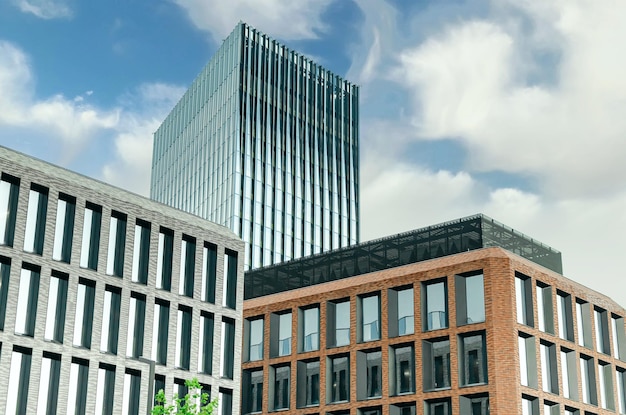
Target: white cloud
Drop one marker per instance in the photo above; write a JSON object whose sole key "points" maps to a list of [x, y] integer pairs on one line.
{"points": [[45, 9], [284, 19]]}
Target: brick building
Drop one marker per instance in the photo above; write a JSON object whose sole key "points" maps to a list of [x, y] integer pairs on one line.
{"points": [[477, 330]]}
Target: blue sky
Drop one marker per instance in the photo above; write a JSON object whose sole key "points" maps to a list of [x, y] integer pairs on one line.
{"points": [[513, 108]]}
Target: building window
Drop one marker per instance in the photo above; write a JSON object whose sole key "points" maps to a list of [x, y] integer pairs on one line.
{"points": [[230, 268], [530, 405], [209, 272], [254, 339], [90, 246], [141, 252], [77, 396], [183, 338], [280, 387], [402, 369], [309, 328], [619, 337], [136, 325], [105, 391], [27, 299], [338, 323], [369, 374], [159, 384], [64, 228], [36, 219], [205, 348], [84, 313], [551, 408], [568, 374], [5, 273], [180, 388], [620, 374], [9, 195], [187, 266], [605, 376], [473, 359], [57, 305], [438, 407], [252, 391], [435, 304], [583, 319], [228, 348], [225, 402], [564, 316], [338, 372], [436, 364], [403, 409], [117, 244], [588, 380], [280, 334], [470, 298], [524, 300], [527, 360], [376, 410], [474, 404], [49, 383], [549, 376], [400, 311], [545, 313], [308, 384], [369, 317], [160, 331], [571, 411], [19, 380], [165, 257], [132, 392], [110, 319], [603, 343]]}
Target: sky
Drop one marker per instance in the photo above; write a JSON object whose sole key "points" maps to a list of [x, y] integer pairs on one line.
{"points": [[511, 108]]}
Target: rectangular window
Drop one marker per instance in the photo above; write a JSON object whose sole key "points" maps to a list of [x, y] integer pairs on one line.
{"points": [[369, 375], [9, 194], [141, 252], [545, 311], [84, 313], [400, 311], [583, 320], [530, 405], [49, 383], [205, 348], [159, 383], [227, 360], [165, 255], [209, 272], [105, 391], [569, 374], [571, 411], [309, 329], [90, 247], [473, 359], [160, 331], [136, 325], [564, 316], [308, 384], [475, 404], [527, 360], [435, 304], [19, 379], [57, 305], [436, 364], [398, 409], [619, 337], [187, 266], [230, 291], [36, 219], [110, 319], [588, 380], [402, 369], [132, 392], [254, 339], [64, 228], [551, 408], [376, 410], [470, 298], [27, 300], [338, 323], [603, 343], [280, 384], [252, 391], [605, 376], [117, 244], [620, 374], [79, 379], [549, 376], [183, 338], [368, 314], [180, 388], [438, 407], [524, 299], [280, 334], [5, 273], [225, 402], [338, 372]]}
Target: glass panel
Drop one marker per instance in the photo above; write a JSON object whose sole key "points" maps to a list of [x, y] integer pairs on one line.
{"points": [[205, 361], [57, 304], [230, 291], [284, 334], [339, 374], [165, 255], [64, 229], [436, 306], [187, 266], [9, 193], [160, 331], [281, 387], [105, 392], [136, 324], [77, 396], [19, 378], [117, 245], [311, 321], [49, 384], [209, 272], [473, 362], [406, 321], [5, 273], [36, 220], [183, 338], [91, 237], [370, 309], [141, 253], [228, 348], [110, 320], [84, 313], [28, 294], [255, 340]]}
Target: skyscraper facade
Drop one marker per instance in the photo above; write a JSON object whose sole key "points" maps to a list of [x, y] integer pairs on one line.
{"points": [[265, 141]]}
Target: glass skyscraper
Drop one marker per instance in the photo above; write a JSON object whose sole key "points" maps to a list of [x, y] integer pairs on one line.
{"points": [[265, 142]]}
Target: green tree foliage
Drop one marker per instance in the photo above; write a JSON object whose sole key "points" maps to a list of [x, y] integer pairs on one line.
{"points": [[194, 403]]}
